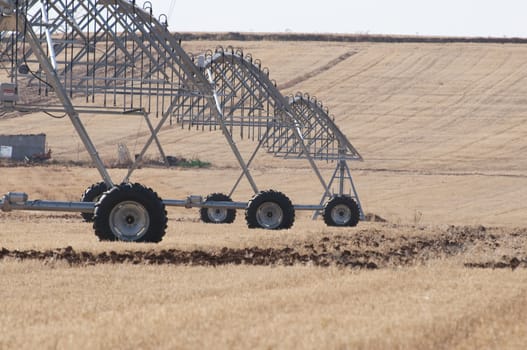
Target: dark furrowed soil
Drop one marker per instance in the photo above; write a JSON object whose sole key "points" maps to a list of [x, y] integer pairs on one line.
{"points": [[366, 249]]}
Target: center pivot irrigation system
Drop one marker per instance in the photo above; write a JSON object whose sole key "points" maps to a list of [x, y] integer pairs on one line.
{"points": [[109, 57]]}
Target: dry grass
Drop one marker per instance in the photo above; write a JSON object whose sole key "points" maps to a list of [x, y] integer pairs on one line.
{"points": [[436, 306], [443, 130]]}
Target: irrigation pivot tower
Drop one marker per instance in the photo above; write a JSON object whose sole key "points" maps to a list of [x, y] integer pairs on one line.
{"points": [[114, 57]]}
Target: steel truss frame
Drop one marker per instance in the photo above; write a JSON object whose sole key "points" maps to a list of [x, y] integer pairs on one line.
{"points": [[112, 56]]}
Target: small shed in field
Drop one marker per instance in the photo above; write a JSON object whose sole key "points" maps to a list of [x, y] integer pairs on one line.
{"points": [[18, 147]]}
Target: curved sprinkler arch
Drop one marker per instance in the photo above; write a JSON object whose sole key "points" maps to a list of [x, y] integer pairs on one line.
{"points": [[294, 127], [257, 93], [316, 110]]}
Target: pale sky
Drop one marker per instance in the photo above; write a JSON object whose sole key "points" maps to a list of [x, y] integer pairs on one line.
{"points": [[497, 18]]}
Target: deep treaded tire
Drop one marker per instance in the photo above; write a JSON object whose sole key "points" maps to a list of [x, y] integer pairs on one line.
{"points": [[92, 194], [271, 210], [217, 215], [341, 211], [130, 212]]}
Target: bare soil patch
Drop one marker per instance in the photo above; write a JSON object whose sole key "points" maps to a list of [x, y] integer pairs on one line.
{"points": [[367, 249]]}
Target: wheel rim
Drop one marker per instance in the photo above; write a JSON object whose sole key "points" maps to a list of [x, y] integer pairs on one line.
{"points": [[217, 214], [129, 221], [269, 215], [341, 214]]}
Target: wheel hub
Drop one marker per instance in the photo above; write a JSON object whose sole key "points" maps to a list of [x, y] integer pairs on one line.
{"points": [[269, 215], [341, 214], [217, 214], [129, 221]]}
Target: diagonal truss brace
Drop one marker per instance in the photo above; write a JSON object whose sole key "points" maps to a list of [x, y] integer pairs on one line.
{"points": [[63, 97]]}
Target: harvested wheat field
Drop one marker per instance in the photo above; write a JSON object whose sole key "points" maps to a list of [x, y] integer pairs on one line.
{"points": [[443, 131]]}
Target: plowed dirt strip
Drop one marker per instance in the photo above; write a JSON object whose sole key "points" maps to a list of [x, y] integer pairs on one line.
{"points": [[249, 256], [368, 249]]}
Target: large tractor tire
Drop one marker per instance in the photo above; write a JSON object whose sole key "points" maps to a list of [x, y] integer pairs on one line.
{"points": [[270, 210], [217, 215], [341, 211], [130, 212]]}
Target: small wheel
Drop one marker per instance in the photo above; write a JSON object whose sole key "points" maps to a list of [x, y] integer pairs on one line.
{"points": [[92, 194], [130, 212], [270, 210], [341, 211], [217, 215]]}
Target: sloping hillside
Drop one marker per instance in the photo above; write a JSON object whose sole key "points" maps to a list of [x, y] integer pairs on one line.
{"points": [[428, 106], [452, 107]]}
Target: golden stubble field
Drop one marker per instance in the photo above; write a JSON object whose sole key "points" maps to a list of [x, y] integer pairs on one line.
{"points": [[443, 130]]}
